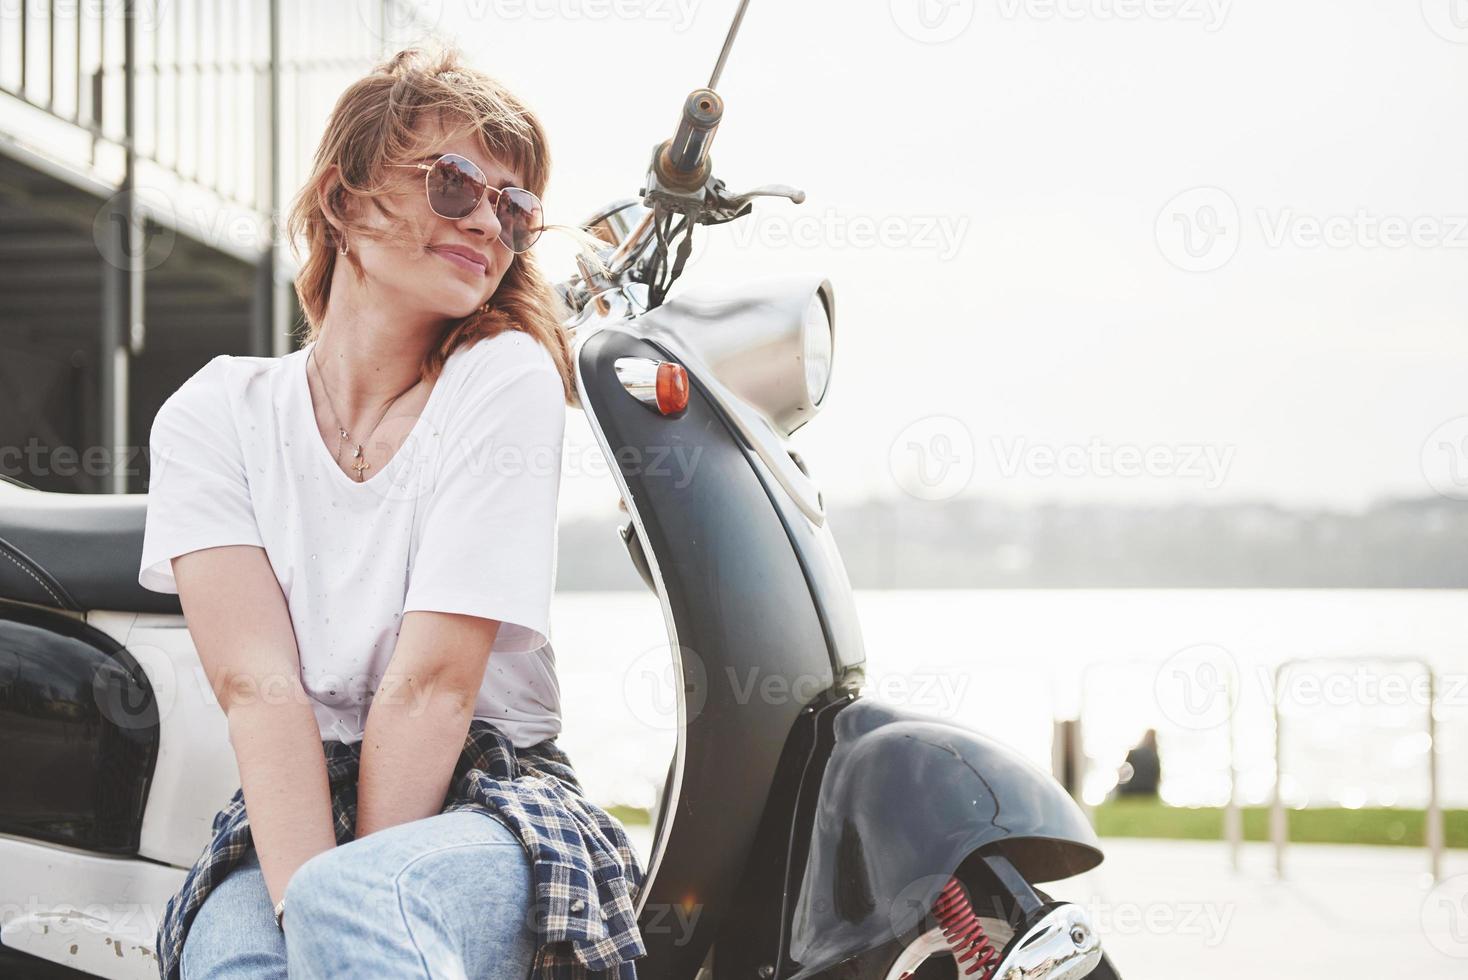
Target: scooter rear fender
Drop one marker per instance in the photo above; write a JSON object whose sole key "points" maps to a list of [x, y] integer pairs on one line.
{"points": [[903, 800]]}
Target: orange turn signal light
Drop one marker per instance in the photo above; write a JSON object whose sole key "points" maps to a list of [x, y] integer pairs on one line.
{"points": [[660, 385], [672, 388]]}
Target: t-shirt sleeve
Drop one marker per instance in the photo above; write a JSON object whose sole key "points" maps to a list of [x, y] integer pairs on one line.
{"points": [[198, 493], [486, 545]]}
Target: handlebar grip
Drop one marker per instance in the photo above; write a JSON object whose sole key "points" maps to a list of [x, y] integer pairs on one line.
{"points": [[684, 159]]}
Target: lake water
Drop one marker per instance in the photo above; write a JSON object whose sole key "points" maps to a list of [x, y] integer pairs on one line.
{"points": [[1194, 664]]}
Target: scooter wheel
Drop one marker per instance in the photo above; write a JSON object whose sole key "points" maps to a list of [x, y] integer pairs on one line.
{"points": [[922, 953]]}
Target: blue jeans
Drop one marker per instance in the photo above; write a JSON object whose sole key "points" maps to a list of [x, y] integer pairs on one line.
{"points": [[448, 896]]}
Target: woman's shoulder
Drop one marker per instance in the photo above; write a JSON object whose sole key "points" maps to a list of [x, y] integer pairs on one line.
{"points": [[505, 353], [509, 367], [229, 373], [203, 392], [218, 390], [507, 380]]}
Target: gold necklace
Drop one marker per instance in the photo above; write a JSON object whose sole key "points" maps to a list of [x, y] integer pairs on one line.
{"points": [[359, 461]]}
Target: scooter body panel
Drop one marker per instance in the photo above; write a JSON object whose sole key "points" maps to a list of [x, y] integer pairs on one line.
{"points": [[82, 745], [885, 800], [78, 733], [749, 644], [698, 328]]}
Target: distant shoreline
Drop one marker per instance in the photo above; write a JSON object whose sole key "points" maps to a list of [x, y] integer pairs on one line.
{"points": [[969, 543]]}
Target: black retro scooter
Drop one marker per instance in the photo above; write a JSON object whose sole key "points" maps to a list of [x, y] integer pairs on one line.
{"points": [[818, 833], [804, 830]]}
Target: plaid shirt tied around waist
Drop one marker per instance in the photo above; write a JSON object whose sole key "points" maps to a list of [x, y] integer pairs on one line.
{"points": [[586, 874]]}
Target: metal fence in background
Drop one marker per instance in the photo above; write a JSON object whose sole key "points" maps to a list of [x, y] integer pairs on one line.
{"points": [[1426, 710], [127, 122]]}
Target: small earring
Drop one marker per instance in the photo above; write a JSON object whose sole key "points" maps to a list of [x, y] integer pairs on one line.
{"points": [[343, 249], [484, 307]]}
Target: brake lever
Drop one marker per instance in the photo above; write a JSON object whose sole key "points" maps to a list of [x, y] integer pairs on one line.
{"points": [[736, 206], [772, 190]]}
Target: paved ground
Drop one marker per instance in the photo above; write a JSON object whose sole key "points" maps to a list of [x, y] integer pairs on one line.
{"points": [[1174, 908], [1168, 909]]}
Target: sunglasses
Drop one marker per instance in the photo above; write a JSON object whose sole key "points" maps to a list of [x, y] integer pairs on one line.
{"points": [[456, 186]]}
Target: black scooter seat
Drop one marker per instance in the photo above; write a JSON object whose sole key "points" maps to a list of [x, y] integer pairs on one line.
{"points": [[75, 551]]}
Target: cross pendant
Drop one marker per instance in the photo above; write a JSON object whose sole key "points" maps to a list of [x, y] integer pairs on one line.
{"points": [[359, 462]]}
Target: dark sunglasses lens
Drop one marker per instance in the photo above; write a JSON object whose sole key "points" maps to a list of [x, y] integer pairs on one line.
{"points": [[521, 218], [455, 186]]}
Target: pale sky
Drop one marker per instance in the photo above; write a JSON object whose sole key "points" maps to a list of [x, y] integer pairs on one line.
{"points": [[1034, 282], [1117, 250]]}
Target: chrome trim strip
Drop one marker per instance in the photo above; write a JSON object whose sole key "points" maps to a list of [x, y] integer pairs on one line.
{"points": [[639, 375], [669, 805]]}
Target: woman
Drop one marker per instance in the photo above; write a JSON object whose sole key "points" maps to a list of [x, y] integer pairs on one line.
{"points": [[369, 523]]}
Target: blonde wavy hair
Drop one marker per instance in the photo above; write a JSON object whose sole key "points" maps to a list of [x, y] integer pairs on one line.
{"points": [[374, 124]]}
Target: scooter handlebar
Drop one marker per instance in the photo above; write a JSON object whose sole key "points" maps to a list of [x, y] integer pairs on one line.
{"points": [[683, 161]]}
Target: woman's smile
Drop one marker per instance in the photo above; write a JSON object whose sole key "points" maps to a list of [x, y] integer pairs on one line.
{"points": [[463, 257]]}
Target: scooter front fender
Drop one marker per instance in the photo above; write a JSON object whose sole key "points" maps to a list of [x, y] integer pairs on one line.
{"points": [[903, 800]]}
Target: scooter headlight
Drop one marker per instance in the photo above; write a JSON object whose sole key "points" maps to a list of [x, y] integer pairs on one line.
{"points": [[769, 342], [819, 345]]}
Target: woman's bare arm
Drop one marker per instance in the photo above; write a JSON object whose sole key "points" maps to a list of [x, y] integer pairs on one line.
{"points": [[420, 717], [241, 627]]}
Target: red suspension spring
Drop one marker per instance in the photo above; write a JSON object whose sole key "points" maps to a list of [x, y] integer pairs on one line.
{"points": [[964, 933]]}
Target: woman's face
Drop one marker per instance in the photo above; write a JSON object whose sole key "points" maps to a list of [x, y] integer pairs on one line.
{"points": [[425, 278]]}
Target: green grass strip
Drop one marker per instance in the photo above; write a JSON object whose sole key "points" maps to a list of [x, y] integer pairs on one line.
{"points": [[1379, 825]]}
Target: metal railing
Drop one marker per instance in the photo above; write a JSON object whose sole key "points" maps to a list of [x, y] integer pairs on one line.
{"points": [[1233, 818], [209, 102], [186, 85], [1233, 830], [1278, 818]]}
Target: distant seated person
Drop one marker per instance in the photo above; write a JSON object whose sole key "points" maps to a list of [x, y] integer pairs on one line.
{"points": [[1142, 771]]}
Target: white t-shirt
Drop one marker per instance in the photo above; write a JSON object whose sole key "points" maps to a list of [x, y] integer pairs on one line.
{"points": [[462, 519]]}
